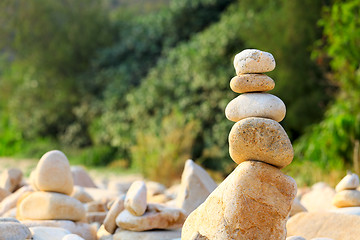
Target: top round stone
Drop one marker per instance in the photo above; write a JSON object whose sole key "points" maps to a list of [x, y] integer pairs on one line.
{"points": [[253, 61], [53, 174]]}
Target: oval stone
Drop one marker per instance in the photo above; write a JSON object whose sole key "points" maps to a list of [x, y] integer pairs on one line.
{"points": [[349, 182], [136, 198], [45, 233], [260, 139], [157, 216], [251, 83], [72, 237], [14, 231], [262, 105], [50, 206], [347, 198], [253, 61], [53, 173], [116, 208]]}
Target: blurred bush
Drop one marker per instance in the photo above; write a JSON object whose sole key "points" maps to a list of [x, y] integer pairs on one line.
{"points": [[194, 76], [49, 45], [115, 82], [331, 143], [160, 151]]}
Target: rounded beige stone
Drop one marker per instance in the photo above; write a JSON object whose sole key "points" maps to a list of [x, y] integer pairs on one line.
{"points": [[251, 83], [253, 61], [50, 206], [349, 182], [262, 105], [136, 198], [3, 193], [347, 198], [260, 139], [81, 177], [53, 173], [80, 194], [10, 179]]}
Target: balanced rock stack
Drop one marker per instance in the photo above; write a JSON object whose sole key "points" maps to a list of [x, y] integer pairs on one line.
{"points": [[53, 183], [254, 201], [346, 193]]}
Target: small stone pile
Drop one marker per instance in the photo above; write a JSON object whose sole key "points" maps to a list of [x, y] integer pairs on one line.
{"points": [[53, 183], [254, 201], [132, 213], [346, 193], [48, 209]]}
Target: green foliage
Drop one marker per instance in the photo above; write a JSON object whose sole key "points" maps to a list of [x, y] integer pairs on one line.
{"points": [[99, 155], [290, 36], [191, 79], [142, 40], [194, 77], [331, 142], [141, 44], [10, 138], [161, 150], [107, 81], [50, 44]]}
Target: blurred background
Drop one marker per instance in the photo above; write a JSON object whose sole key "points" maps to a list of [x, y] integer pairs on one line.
{"points": [[141, 85]]}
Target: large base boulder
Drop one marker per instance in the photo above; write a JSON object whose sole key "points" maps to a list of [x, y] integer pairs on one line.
{"points": [[253, 202]]}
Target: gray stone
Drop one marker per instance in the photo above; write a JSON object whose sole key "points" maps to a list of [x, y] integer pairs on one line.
{"points": [[14, 231]]}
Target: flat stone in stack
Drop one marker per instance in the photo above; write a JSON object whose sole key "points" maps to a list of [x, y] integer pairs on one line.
{"points": [[50, 206], [156, 217]]}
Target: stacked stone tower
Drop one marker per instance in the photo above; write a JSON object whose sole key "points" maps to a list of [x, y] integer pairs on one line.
{"points": [[254, 201], [53, 184], [347, 194]]}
